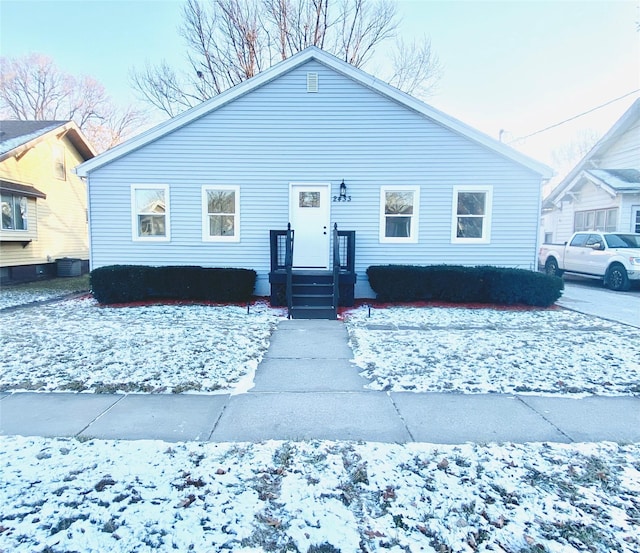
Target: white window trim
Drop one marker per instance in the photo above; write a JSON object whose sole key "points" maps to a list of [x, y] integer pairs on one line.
{"points": [[134, 213], [635, 209], [206, 237], [415, 217], [486, 227]]}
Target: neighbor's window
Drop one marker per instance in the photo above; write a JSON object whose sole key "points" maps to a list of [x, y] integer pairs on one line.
{"points": [[399, 213], [59, 165], [471, 214], [605, 220], [221, 213], [14, 212], [150, 209]]}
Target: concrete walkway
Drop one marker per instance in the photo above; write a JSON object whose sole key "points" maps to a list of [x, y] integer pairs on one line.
{"points": [[307, 388]]}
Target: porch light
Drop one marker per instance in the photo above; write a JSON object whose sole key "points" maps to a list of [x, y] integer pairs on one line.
{"points": [[343, 194]]}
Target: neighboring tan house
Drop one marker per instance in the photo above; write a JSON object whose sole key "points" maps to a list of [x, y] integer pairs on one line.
{"points": [[602, 192], [44, 204], [315, 142]]}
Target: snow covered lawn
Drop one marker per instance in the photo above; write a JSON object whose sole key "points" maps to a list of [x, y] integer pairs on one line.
{"points": [[462, 350], [76, 345], [21, 294], [64, 495]]}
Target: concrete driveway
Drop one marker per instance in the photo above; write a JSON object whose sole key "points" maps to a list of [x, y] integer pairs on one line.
{"points": [[589, 296]]}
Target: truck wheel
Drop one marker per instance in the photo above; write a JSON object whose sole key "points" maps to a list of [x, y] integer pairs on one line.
{"points": [[551, 268], [617, 278]]}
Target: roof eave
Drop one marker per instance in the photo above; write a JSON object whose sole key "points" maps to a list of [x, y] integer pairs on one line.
{"points": [[80, 142], [440, 117], [190, 115], [313, 53]]}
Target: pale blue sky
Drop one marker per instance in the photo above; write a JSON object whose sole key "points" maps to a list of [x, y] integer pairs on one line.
{"points": [[514, 65]]}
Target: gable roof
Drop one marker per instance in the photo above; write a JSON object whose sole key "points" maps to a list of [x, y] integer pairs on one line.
{"points": [[18, 136], [584, 168], [344, 68]]}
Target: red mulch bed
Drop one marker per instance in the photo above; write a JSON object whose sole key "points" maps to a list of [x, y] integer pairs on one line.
{"points": [[383, 305], [374, 304]]}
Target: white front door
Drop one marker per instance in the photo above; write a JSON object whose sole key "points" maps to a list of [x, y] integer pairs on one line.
{"points": [[309, 214]]}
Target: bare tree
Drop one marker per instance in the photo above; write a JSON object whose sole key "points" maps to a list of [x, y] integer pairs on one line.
{"points": [[363, 25], [298, 24], [229, 41], [162, 87], [32, 87], [416, 68], [573, 151]]}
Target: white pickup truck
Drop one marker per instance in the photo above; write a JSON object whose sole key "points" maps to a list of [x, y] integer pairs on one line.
{"points": [[611, 256]]}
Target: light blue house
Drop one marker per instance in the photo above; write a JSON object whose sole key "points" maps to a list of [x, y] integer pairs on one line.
{"points": [[313, 142]]}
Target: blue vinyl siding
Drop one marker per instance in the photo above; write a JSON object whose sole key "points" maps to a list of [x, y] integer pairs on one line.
{"points": [[278, 134]]}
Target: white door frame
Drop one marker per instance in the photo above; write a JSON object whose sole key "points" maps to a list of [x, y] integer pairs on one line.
{"points": [[635, 210], [314, 254]]}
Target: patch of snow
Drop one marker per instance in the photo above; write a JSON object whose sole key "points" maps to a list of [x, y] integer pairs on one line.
{"points": [[94, 496], [434, 349], [14, 297], [76, 345]]}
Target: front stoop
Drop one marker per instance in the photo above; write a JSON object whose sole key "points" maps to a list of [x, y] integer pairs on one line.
{"points": [[312, 295]]}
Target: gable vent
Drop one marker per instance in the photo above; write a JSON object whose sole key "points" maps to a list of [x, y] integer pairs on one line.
{"points": [[312, 82]]}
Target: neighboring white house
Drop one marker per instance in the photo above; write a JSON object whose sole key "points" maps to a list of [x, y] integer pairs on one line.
{"points": [[207, 187], [602, 192]]}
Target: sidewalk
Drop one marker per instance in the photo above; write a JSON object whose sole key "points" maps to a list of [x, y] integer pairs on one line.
{"points": [[307, 388]]}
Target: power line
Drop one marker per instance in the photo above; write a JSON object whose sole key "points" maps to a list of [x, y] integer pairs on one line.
{"points": [[574, 117]]}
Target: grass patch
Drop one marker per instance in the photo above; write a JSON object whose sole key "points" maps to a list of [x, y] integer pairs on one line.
{"points": [[62, 285]]}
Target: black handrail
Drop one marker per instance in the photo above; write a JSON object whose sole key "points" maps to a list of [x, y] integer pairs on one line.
{"points": [[288, 263], [278, 242], [347, 251], [336, 267]]}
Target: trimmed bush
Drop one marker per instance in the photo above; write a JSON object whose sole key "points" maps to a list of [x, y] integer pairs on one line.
{"points": [[129, 283], [459, 284]]}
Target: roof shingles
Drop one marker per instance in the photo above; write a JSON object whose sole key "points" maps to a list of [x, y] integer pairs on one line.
{"points": [[16, 133]]}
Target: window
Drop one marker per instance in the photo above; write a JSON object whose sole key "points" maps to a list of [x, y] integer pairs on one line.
{"points": [[471, 214], [579, 240], [309, 199], [605, 220], [399, 214], [221, 213], [594, 241], [150, 210], [14, 212], [59, 165], [611, 224]]}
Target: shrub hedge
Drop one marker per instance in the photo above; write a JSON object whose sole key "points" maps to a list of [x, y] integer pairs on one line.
{"points": [[459, 284], [127, 283]]}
